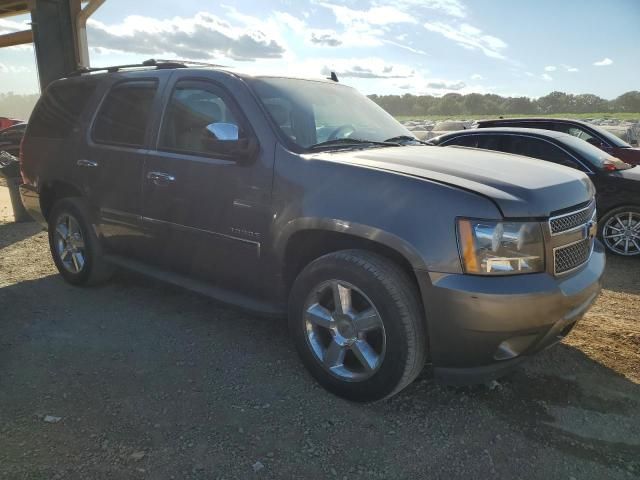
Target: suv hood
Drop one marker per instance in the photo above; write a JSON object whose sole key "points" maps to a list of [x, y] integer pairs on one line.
{"points": [[520, 186]]}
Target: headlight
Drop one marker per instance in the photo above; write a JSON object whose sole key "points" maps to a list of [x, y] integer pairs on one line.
{"points": [[489, 247]]}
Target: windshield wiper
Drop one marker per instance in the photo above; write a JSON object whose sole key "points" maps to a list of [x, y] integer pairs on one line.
{"points": [[339, 142], [400, 138]]}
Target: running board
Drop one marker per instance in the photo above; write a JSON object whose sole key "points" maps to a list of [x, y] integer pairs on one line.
{"points": [[228, 297]]}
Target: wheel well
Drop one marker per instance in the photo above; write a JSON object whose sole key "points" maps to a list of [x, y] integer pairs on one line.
{"points": [[54, 191], [304, 247]]}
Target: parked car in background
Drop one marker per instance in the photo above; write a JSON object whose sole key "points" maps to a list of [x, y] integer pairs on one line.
{"points": [[11, 137], [595, 135], [303, 197], [7, 122], [617, 183]]}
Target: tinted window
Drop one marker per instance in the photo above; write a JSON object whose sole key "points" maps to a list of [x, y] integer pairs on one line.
{"points": [[491, 142], [463, 141], [576, 132], [58, 111], [536, 148], [124, 114], [192, 113]]}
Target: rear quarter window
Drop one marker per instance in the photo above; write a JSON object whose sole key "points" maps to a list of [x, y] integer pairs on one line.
{"points": [[58, 111]]}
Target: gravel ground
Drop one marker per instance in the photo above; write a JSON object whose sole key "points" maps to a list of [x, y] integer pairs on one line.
{"points": [[136, 379]]}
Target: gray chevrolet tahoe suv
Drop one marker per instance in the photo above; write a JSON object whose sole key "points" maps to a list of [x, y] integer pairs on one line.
{"points": [[302, 197]]}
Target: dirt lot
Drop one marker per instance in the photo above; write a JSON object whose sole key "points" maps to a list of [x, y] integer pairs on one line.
{"points": [[149, 381]]}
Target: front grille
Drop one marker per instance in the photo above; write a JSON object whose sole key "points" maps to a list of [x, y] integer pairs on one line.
{"points": [[572, 256], [571, 220]]}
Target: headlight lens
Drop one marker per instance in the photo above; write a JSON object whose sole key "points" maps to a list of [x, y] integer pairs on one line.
{"points": [[489, 247]]}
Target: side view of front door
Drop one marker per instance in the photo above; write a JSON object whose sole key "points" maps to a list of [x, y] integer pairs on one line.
{"points": [[205, 206]]}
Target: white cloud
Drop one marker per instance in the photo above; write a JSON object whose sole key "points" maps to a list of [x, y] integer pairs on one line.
{"points": [[421, 85], [8, 26], [604, 62], [470, 37], [477, 76], [327, 38], [546, 77], [569, 68], [380, 15], [203, 36], [367, 27], [529, 74], [358, 68], [290, 21], [443, 85], [417, 51], [550, 68], [4, 68], [453, 8]]}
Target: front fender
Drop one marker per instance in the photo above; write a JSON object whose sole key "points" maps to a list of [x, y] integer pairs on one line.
{"points": [[367, 232], [414, 216]]}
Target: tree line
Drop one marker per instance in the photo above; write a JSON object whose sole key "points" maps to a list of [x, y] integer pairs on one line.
{"points": [[20, 106], [491, 104]]}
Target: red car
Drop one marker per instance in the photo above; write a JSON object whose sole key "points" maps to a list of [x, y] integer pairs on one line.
{"points": [[7, 122], [597, 136]]}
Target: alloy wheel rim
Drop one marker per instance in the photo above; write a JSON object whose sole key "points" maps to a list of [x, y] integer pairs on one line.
{"points": [[344, 331], [621, 233], [69, 243]]}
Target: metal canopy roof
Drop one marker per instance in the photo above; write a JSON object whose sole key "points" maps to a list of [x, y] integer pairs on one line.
{"points": [[9, 8]]}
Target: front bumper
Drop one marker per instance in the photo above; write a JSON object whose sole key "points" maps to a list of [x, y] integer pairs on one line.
{"points": [[481, 327]]}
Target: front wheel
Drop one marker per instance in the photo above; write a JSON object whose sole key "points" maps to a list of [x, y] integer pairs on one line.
{"points": [[357, 322], [620, 231]]}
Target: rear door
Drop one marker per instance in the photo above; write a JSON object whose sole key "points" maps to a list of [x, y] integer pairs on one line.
{"points": [[112, 161], [207, 207]]}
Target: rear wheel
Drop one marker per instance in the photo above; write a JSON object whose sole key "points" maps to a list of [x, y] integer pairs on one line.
{"points": [[75, 248], [357, 323], [620, 231]]}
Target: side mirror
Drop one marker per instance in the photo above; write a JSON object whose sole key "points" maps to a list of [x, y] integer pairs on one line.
{"points": [[224, 132], [243, 149], [634, 143]]}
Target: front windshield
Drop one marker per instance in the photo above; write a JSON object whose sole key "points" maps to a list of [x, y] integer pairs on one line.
{"points": [[610, 137], [310, 112]]}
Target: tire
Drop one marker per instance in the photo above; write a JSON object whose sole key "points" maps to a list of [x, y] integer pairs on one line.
{"points": [[395, 335], [615, 224], [93, 269]]}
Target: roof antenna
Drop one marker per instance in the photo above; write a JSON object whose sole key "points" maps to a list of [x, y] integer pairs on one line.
{"points": [[333, 77]]}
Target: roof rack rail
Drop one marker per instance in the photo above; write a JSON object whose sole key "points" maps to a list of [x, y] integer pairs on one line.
{"points": [[115, 68], [192, 62]]}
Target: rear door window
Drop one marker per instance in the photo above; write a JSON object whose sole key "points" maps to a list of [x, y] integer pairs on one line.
{"points": [[124, 115], [58, 111], [491, 142], [537, 148]]}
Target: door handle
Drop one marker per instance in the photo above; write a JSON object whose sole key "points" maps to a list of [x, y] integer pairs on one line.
{"points": [[160, 178], [86, 163]]}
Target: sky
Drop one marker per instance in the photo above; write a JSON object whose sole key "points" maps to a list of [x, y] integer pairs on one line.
{"points": [[507, 47]]}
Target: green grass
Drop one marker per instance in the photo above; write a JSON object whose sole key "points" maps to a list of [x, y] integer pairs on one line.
{"points": [[578, 116]]}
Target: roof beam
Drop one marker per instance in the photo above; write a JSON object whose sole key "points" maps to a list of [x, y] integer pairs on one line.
{"points": [[9, 8], [16, 38]]}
